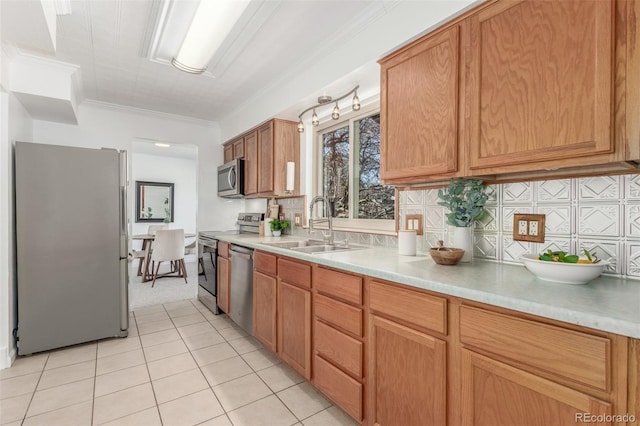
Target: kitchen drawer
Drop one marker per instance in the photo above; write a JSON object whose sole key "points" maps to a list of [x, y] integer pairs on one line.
{"points": [[345, 391], [338, 284], [346, 317], [414, 307], [223, 249], [574, 355], [339, 348], [296, 273], [265, 263]]}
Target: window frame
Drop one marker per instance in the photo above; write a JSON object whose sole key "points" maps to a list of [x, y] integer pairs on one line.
{"points": [[373, 226]]}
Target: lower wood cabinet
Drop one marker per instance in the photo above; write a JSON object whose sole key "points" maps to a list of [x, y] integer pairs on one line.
{"points": [[340, 387], [264, 309], [407, 376], [388, 354], [495, 394], [294, 327]]}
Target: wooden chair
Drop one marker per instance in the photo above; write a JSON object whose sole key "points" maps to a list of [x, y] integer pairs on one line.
{"points": [[169, 246]]}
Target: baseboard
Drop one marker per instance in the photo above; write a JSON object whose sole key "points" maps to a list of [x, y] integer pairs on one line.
{"points": [[7, 357]]}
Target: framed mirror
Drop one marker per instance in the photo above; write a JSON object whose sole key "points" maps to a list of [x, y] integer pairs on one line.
{"points": [[154, 202]]}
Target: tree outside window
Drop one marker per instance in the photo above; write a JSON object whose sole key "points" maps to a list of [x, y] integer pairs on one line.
{"points": [[351, 154]]}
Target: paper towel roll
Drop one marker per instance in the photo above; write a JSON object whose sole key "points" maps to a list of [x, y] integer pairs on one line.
{"points": [[407, 242], [267, 227]]}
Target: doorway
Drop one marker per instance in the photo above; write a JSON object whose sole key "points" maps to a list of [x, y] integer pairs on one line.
{"points": [[164, 163]]}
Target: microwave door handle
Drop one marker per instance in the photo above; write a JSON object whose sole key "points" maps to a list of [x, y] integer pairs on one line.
{"points": [[231, 177]]}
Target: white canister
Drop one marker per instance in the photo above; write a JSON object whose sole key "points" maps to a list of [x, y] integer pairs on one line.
{"points": [[407, 242], [267, 227]]}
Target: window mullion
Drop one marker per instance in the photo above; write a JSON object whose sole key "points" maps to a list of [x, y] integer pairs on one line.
{"points": [[353, 192]]}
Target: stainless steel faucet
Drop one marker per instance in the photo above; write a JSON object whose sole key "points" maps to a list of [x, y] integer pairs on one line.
{"points": [[328, 239]]}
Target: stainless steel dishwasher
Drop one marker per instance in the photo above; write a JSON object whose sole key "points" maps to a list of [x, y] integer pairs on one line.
{"points": [[241, 294]]}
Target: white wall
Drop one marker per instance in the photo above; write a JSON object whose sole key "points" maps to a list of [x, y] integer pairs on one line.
{"points": [[182, 172], [15, 125], [99, 125], [401, 22], [102, 125]]}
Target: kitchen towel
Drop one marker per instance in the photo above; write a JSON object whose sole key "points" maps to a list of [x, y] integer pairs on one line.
{"points": [[407, 242]]}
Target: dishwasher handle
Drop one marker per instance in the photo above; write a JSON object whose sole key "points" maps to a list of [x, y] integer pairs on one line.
{"points": [[241, 252]]}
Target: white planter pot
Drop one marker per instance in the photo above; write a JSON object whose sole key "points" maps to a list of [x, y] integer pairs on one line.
{"points": [[463, 239], [277, 233]]}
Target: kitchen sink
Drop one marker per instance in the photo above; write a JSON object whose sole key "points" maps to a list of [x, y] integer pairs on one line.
{"points": [[311, 246], [324, 248], [294, 244]]}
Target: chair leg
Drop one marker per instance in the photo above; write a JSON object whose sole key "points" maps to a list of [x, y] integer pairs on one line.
{"points": [[140, 263], [184, 269], [155, 275]]}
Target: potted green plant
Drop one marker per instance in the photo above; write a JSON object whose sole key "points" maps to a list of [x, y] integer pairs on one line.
{"points": [[465, 199], [277, 226]]}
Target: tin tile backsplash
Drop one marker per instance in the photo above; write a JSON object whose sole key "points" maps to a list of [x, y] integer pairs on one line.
{"points": [[601, 214]]}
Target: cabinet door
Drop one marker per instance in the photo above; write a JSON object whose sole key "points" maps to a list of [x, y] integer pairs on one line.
{"points": [[224, 280], [251, 163], [265, 158], [228, 153], [497, 394], [264, 309], [407, 374], [419, 109], [542, 83], [238, 148], [294, 327]]}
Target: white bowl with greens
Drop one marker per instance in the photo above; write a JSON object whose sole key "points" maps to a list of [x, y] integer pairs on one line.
{"points": [[580, 271]]}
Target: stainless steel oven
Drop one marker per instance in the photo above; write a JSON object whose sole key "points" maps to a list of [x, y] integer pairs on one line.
{"points": [[207, 275], [248, 223]]}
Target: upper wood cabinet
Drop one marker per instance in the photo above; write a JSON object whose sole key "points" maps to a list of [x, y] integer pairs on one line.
{"points": [[541, 83], [233, 149], [515, 89], [420, 111], [266, 151], [251, 163], [228, 152]]}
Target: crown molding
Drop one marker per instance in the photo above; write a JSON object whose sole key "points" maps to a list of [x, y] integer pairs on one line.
{"points": [[149, 113]]}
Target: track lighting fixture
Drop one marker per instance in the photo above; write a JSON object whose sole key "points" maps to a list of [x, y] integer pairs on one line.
{"points": [[324, 100]]}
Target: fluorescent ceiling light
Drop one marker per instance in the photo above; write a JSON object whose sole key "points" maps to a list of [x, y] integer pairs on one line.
{"points": [[162, 145], [211, 24]]}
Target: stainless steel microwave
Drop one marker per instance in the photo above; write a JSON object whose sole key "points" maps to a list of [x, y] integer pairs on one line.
{"points": [[231, 179]]}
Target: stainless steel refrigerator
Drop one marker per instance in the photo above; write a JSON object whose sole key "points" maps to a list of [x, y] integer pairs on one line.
{"points": [[71, 236]]}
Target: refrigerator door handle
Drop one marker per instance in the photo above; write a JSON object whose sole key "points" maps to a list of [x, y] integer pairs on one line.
{"points": [[124, 223], [124, 297]]}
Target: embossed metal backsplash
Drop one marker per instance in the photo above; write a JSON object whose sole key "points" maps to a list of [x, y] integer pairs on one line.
{"points": [[601, 214]]}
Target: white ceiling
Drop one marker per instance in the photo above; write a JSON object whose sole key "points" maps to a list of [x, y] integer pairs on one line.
{"points": [[109, 40], [273, 43]]}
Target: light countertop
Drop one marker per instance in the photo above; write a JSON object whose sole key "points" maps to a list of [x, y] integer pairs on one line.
{"points": [[606, 303]]}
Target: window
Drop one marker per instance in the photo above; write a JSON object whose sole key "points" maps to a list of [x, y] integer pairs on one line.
{"points": [[349, 162]]}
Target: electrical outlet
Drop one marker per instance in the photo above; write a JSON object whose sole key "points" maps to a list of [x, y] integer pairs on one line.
{"points": [[297, 219], [413, 222], [522, 227], [528, 227]]}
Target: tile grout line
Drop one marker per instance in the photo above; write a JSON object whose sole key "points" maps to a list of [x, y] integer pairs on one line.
{"points": [[224, 411], [33, 394]]}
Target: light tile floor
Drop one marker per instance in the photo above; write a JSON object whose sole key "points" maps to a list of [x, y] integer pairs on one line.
{"points": [[180, 365]]}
